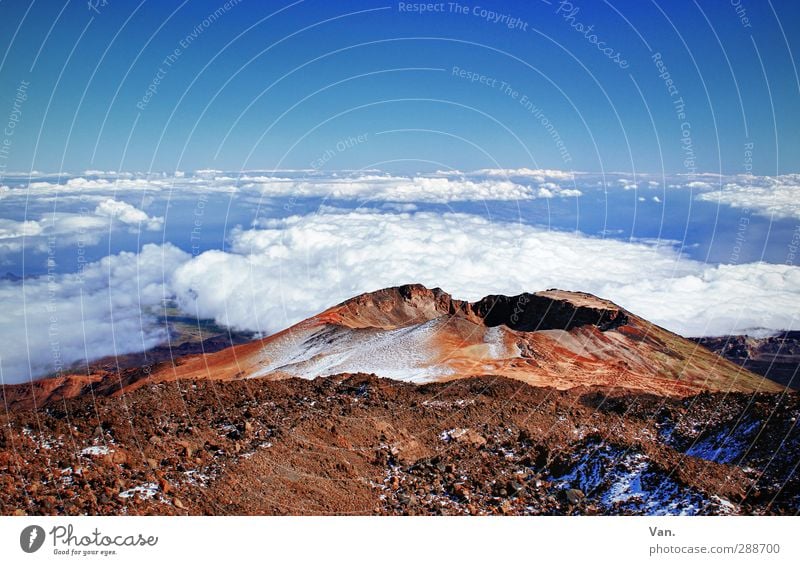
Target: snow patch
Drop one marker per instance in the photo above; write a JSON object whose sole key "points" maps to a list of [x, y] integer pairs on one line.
{"points": [[493, 338], [146, 491], [96, 450], [450, 435], [402, 354], [726, 445], [627, 481]]}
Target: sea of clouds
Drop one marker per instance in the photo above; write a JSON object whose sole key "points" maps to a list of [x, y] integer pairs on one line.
{"points": [[279, 270]]}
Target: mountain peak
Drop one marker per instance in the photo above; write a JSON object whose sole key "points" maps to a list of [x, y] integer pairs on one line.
{"points": [[552, 309], [393, 307], [553, 338]]}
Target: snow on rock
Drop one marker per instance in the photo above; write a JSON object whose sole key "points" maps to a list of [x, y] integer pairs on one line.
{"points": [[146, 491], [493, 338], [96, 450], [727, 444], [624, 480], [401, 354]]}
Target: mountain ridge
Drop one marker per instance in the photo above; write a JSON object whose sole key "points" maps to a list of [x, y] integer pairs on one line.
{"points": [[555, 338]]}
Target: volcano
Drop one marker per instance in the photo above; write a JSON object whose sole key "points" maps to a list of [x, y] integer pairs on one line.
{"points": [[411, 333], [408, 401]]}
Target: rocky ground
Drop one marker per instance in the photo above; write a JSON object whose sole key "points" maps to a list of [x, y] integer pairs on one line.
{"points": [[362, 445]]}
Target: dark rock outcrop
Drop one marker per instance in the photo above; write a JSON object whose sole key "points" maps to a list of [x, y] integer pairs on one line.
{"points": [[536, 312]]}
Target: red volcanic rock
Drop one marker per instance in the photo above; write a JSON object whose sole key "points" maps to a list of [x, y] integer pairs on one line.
{"points": [[358, 444], [394, 307]]}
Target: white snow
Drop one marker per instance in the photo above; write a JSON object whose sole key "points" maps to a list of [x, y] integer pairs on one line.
{"points": [[400, 354], [42, 441], [460, 403], [96, 450], [493, 337], [455, 433], [624, 479], [196, 478], [725, 445], [146, 490], [726, 506]]}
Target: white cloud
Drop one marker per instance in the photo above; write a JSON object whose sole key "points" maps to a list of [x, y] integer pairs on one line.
{"points": [[51, 321], [551, 190], [769, 196], [67, 228], [774, 196], [127, 183], [128, 214], [718, 300], [359, 186], [536, 175], [295, 267], [12, 229], [73, 228], [777, 197], [699, 185], [12, 232], [404, 189]]}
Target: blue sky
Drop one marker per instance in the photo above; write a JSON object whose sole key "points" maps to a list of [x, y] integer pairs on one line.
{"points": [[382, 68]]}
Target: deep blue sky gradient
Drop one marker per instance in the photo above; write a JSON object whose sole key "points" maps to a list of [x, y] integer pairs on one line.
{"points": [[93, 68]]}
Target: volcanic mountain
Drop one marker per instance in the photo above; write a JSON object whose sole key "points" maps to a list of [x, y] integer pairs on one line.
{"points": [[547, 403], [554, 338]]}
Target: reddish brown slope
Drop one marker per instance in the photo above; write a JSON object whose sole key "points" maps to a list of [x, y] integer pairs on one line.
{"points": [[362, 445]]}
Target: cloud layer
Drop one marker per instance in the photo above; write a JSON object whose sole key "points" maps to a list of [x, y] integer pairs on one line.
{"points": [[770, 196], [74, 228], [51, 322], [289, 269], [776, 197], [306, 263], [359, 186]]}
